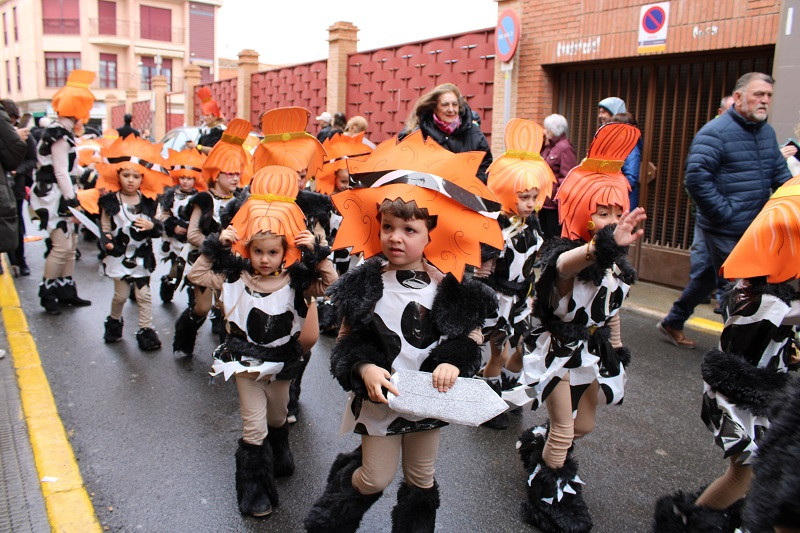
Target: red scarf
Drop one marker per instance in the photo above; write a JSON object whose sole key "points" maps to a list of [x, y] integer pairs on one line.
{"points": [[444, 126]]}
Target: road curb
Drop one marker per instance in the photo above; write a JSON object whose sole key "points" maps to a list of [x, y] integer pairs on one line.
{"points": [[697, 324], [68, 505]]}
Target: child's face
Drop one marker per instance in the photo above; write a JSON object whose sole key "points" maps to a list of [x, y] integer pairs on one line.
{"points": [[403, 241], [303, 179], [342, 182], [266, 254], [605, 215], [227, 182], [129, 180], [526, 201], [186, 183]]}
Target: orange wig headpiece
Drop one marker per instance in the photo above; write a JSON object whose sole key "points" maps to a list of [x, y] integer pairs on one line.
{"points": [[270, 208], [597, 180], [287, 143], [771, 245], [521, 168], [187, 163], [436, 179], [208, 106], [228, 155], [75, 99], [339, 149], [130, 152]]}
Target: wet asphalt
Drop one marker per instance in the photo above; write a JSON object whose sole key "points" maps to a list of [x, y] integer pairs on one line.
{"points": [[155, 437]]}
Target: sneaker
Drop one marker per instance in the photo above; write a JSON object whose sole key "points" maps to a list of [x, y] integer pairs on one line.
{"points": [[676, 337]]}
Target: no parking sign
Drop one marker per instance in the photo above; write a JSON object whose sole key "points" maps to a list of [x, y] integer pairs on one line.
{"points": [[653, 19]]}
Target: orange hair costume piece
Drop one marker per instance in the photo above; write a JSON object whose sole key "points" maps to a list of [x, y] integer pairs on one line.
{"points": [[75, 99], [521, 168], [339, 149], [771, 245], [228, 155], [597, 180], [130, 152], [270, 208], [287, 143], [436, 179], [187, 163], [208, 106]]}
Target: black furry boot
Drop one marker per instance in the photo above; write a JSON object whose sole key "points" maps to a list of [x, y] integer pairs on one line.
{"points": [[294, 391], [677, 513], [283, 460], [47, 296], [329, 320], [341, 506], [255, 482], [555, 503], [167, 289], [186, 332], [113, 331], [148, 339], [218, 324], [501, 420], [67, 293], [416, 509]]}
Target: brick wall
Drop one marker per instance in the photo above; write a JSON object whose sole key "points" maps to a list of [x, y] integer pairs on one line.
{"points": [[224, 93]]}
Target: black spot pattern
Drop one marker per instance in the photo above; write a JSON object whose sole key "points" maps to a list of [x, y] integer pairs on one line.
{"points": [[599, 305], [264, 328], [576, 393], [417, 327], [388, 340], [412, 279]]}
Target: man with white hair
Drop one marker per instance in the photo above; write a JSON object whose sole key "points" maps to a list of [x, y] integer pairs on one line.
{"points": [[325, 119]]}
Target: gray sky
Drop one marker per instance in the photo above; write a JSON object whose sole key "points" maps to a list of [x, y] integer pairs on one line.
{"points": [[287, 31]]}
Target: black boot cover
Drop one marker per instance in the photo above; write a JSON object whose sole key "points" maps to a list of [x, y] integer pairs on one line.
{"points": [[555, 503], [329, 320], [218, 324], [47, 296], [167, 289], [67, 293], [501, 420], [294, 391], [148, 339], [416, 509], [255, 481], [283, 460], [677, 513], [341, 506], [186, 332], [113, 331]]}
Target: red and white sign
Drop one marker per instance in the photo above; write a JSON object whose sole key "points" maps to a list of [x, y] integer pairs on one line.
{"points": [[506, 35], [653, 23]]}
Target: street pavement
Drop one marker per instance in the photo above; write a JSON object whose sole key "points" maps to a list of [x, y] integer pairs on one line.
{"points": [[155, 437]]}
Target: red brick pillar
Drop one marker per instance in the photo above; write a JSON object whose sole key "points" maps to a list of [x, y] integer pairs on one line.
{"points": [[191, 76], [500, 79], [248, 65], [111, 101], [342, 39], [159, 121]]}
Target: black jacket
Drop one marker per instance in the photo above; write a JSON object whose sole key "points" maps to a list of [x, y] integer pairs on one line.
{"points": [[12, 147], [467, 137], [24, 176], [126, 130]]}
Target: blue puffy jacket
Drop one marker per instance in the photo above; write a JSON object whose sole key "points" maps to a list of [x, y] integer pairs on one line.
{"points": [[732, 169]]}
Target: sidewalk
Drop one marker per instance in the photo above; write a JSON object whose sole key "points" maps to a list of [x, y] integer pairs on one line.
{"points": [[22, 505]]}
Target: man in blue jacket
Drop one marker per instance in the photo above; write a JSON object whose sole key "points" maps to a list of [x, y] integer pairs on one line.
{"points": [[734, 164]]}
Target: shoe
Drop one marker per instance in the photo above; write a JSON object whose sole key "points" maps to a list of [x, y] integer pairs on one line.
{"points": [[676, 337], [24, 270], [47, 296], [148, 339], [67, 293], [113, 330], [717, 310]]}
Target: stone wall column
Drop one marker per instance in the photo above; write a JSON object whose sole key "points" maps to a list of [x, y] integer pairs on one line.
{"points": [[111, 101], [131, 94], [248, 65], [342, 40], [191, 78], [159, 121]]}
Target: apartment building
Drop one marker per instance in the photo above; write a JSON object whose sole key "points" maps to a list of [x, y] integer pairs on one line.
{"points": [[126, 42]]}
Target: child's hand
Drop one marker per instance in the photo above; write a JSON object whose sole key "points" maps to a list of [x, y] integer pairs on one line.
{"points": [[444, 376], [624, 233], [143, 224], [305, 239], [228, 236], [180, 230], [109, 244], [375, 378]]}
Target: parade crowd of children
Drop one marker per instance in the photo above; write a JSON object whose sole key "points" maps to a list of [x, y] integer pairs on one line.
{"points": [[443, 282]]}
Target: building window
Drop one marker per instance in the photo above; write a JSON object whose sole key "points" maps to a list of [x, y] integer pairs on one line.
{"points": [[16, 26], [107, 17], [155, 23], [58, 65], [8, 76], [150, 69], [108, 71], [19, 75], [61, 17], [5, 30]]}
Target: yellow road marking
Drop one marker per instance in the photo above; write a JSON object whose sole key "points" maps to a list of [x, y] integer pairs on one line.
{"points": [[68, 505]]}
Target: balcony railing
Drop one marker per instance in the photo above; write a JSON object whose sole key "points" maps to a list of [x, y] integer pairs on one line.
{"points": [[61, 26], [133, 30], [109, 27], [168, 34]]}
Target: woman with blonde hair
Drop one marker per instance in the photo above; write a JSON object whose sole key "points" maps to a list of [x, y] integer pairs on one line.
{"points": [[444, 115]]}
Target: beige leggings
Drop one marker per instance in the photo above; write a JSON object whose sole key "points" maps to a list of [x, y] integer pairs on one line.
{"points": [[380, 456], [729, 487], [122, 289], [60, 262], [563, 428], [261, 403]]}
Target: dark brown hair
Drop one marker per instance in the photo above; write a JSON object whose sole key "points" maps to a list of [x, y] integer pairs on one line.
{"points": [[406, 211]]}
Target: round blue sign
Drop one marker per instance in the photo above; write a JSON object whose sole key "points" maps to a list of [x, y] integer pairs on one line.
{"points": [[654, 19], [506, 35]]}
